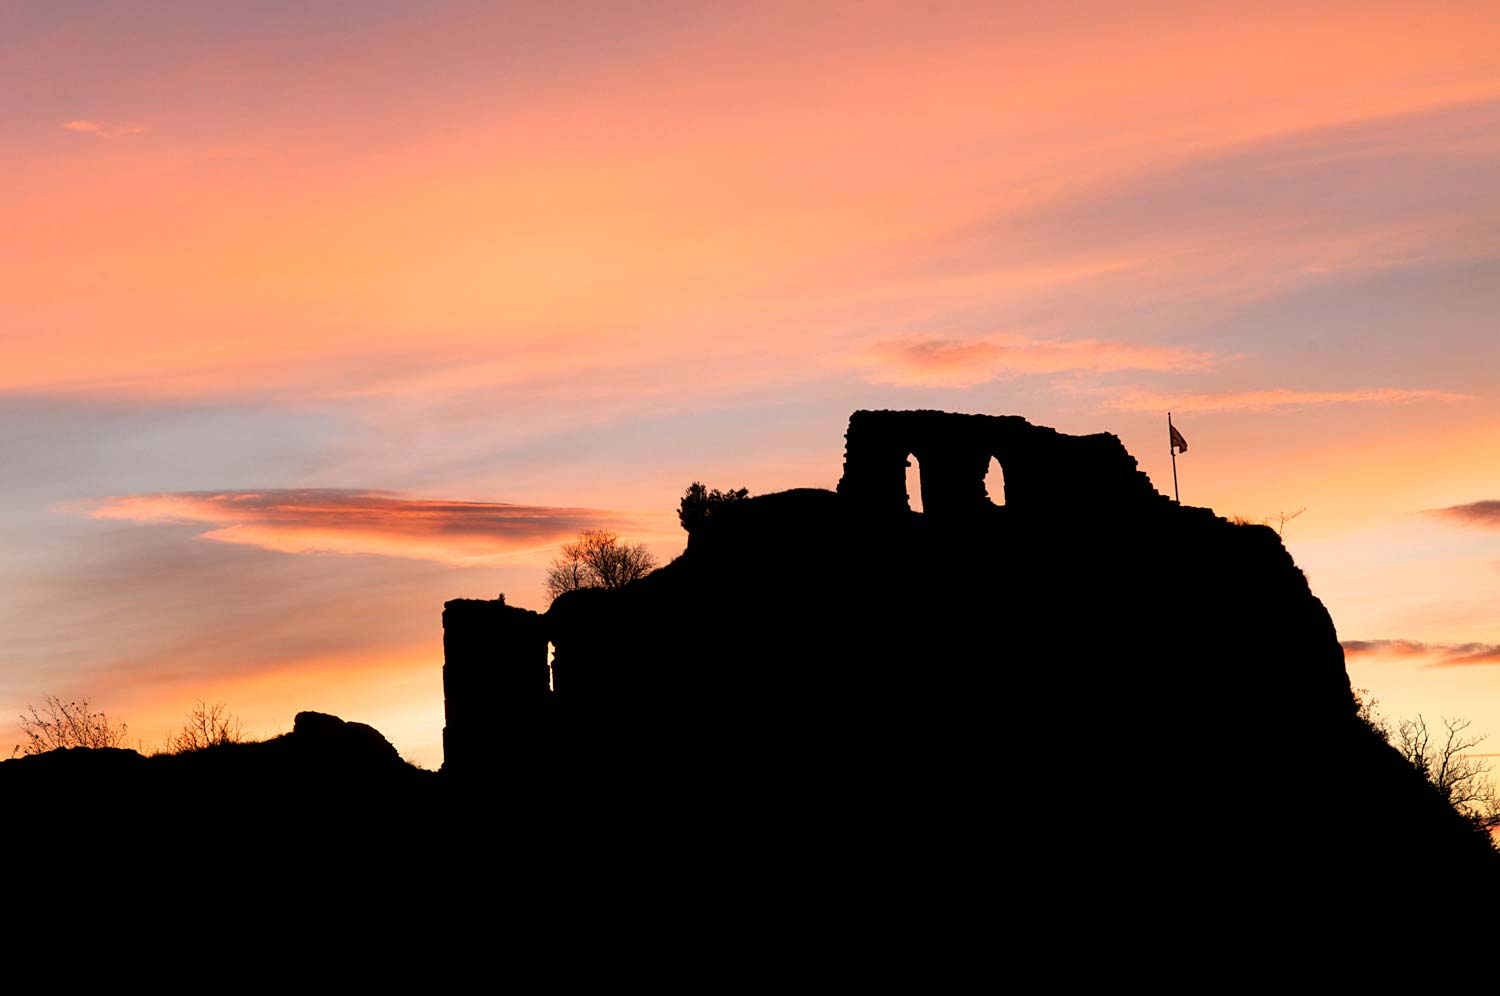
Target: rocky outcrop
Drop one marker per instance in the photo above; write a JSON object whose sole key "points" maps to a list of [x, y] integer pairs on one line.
{"points": [[317, 734], [323, 763]]}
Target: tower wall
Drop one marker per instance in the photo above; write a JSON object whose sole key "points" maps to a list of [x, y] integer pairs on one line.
{"points": [[495, 684]]}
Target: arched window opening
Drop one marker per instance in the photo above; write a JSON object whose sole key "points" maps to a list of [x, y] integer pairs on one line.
{"points": [[913, 484], [551, 653], [994, 482]]}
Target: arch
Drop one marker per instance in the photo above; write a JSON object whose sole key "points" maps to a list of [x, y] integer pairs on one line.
{"points": [[1042, 467], [913, 483], [994, 481]]}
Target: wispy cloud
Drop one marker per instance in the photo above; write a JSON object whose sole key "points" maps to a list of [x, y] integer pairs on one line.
{"points": [[1254, 401], [344, 521], [85, 127], [1441, 654], [932, 361], [1475, 513]]}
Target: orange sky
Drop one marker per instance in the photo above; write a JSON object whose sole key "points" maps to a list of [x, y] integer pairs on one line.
{"points": [[303, 305]]}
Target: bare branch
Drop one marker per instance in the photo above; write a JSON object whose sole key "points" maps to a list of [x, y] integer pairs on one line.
{"points": [[66, 724], [597, 559], [207, 726], [1280, 519], [1461, 779]]}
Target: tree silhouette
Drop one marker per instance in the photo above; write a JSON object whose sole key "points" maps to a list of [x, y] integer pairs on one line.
{"points": [[597, 559], [699, 502], [1443, 759], [1370, 716], [66, 724]]}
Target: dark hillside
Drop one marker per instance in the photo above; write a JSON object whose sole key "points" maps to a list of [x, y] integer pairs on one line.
{"points": [[1090, 686], [1086, 702]]}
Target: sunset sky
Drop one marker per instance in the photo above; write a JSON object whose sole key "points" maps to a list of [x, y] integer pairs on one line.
{"points": [[317, 315]]}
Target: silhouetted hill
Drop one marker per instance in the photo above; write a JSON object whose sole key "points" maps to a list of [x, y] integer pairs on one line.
{"points": [[1111, 712], [1086, 694], [325, 776]]}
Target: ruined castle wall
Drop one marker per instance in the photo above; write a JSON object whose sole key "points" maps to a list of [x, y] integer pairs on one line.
{"points": [[875, 463], [1044, 468], [952, 474], [495, 681], [496, 675]]}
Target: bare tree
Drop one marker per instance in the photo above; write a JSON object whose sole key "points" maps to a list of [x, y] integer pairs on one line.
{"points": [[568, 572], [1366, 711], [597, 559], [1462, 778], [1443, 759], [66, 724], [206, 726], [1280, 519]]}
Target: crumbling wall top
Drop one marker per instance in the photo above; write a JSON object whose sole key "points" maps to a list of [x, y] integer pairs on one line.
{"points": [[1043, 468]]}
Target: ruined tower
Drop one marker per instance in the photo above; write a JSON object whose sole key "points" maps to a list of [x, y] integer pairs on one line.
{"points": [[495, 684]]}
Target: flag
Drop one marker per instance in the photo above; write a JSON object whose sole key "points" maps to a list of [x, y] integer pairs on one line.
{"points": [[1179, 445]]}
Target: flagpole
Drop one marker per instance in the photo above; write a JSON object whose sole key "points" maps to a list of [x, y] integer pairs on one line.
{"points": [[1175, 496]]}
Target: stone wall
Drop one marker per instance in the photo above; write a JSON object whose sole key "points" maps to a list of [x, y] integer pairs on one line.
{"points": [[1044, 468], [495, 683]]}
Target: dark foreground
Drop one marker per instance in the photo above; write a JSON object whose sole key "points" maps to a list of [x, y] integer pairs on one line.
{"points": [[1100, 721]]}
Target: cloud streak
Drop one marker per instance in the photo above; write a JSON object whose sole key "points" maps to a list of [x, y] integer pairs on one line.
{"points": [[1259, 401], [932, 361], [1442, 654], [1485, 514], [355, 522], [99, 128]]}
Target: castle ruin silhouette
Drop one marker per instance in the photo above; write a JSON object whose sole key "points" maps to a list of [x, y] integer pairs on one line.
{"points": [[499, 683], [1126, 720]]}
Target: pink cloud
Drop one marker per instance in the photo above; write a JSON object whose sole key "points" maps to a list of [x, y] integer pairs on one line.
{"points": [[1475, 513], [1386, 648], [341, 521], [101, 129], [1443, 654], [931, 361]]}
